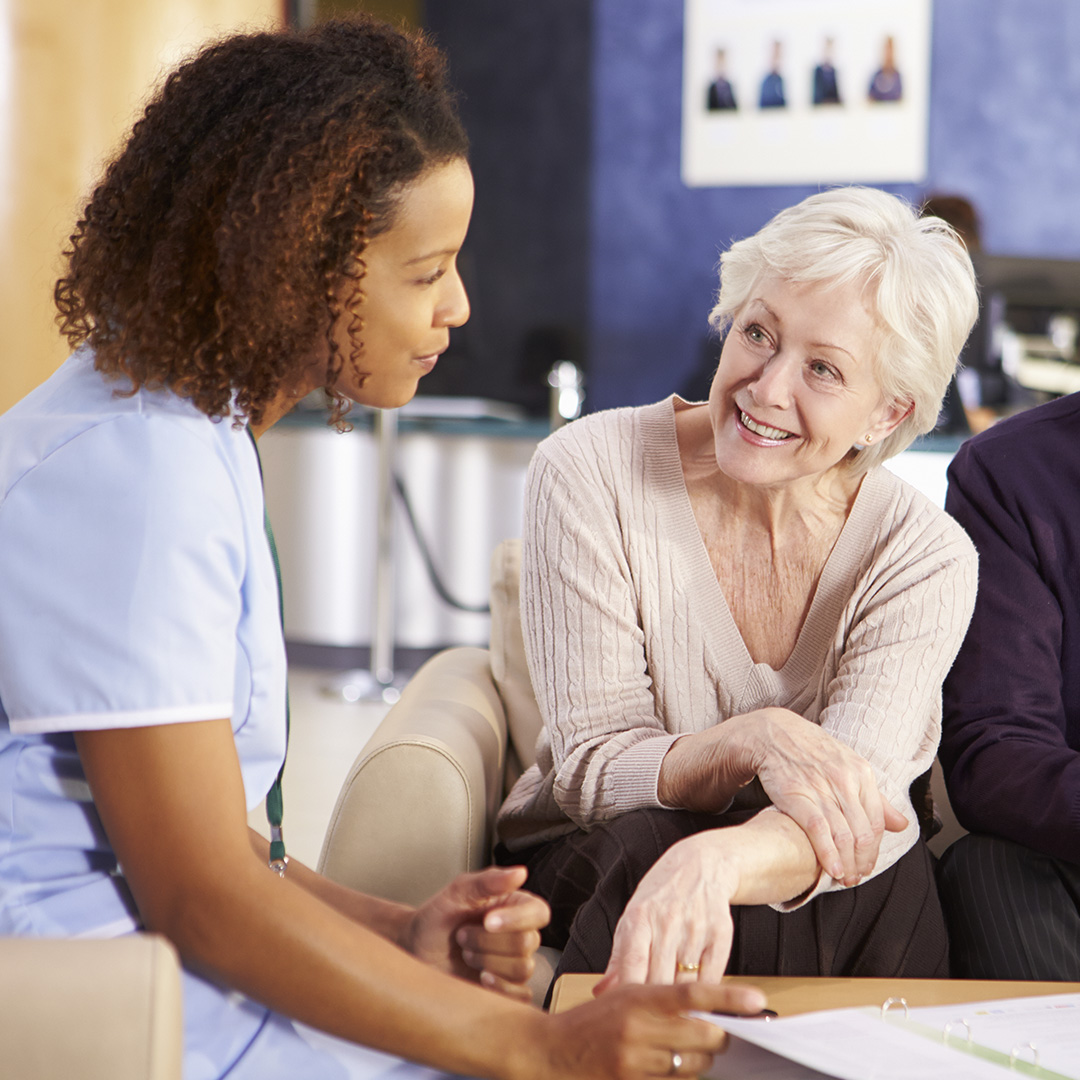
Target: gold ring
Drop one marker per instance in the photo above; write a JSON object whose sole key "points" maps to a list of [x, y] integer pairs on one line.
{"points": [[687, 969]]}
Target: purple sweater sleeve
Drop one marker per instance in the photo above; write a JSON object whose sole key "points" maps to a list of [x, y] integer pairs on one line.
{"points": [[1010, 747]]}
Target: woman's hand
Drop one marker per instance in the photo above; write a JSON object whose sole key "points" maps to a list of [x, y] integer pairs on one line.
{"points": [[482, 926], [828, 789], [677, 926], [819, 782], [635, 1031], [680, 913]]}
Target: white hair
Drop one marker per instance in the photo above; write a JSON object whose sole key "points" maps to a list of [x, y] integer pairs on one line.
{"points": [[916, 275]]}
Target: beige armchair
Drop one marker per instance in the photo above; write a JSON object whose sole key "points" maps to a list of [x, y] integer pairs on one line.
{"points": [[95, 1010], [419, 804]]}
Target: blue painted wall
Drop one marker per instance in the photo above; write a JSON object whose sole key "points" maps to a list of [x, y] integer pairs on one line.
{"points": [[1005, 119], [1004, 131], [583, 223]]}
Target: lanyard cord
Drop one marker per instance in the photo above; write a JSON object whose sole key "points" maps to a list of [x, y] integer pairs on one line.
{"points": [[275, 809]]}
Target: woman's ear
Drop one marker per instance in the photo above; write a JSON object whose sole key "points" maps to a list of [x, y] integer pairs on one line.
{"points": [[886, 420]]}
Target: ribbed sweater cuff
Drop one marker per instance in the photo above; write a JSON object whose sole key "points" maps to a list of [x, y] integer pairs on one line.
{"points": [[634, 776]]}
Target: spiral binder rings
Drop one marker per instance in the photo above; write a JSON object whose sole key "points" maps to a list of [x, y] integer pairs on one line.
{"points": [[981, 1040], [1024, 1054]]}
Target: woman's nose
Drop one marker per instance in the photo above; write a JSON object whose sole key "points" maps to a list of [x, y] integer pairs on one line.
{"points": [[454, 309], [773, 382]]}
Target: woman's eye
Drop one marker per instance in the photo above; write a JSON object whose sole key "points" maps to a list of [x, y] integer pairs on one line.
{"points": [[822, 370], [430, 279], [755, 333]]}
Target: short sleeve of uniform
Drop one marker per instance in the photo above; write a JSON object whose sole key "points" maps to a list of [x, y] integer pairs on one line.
{"points": [[120, 580]]}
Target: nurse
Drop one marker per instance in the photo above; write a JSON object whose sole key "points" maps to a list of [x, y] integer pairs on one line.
{"points": [[286, 216]]}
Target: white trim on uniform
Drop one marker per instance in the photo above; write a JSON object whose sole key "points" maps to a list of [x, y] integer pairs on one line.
{"points": [[174, 714]]}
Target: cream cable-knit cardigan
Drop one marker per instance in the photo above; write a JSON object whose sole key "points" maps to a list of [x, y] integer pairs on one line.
{"points": [[630, 641]]}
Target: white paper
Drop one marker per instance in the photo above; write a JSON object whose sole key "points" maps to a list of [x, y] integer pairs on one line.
{"points": [[743, 1059], [853, 1044], [1052, 1023]]}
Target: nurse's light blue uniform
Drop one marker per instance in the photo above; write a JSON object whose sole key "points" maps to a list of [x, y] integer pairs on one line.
{"points": [[136, 588]]}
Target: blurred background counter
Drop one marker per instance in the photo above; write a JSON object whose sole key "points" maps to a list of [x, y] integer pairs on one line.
{"points": [[461, 465]]}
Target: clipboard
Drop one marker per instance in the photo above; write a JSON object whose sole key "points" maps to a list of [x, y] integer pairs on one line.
{"points": [[1036, 1037]]}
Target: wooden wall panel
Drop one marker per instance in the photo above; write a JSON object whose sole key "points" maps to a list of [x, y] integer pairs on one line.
{"points": [[407, 12], [73, 77]]}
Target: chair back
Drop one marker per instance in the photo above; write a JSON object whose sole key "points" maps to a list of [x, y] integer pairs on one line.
{"points": [[509, 668]]}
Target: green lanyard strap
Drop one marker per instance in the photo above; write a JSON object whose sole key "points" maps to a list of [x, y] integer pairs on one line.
{"points": [[275, 809]]}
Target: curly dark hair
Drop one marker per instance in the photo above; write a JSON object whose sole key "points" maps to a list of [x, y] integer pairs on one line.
{"points": [[227, 238]]}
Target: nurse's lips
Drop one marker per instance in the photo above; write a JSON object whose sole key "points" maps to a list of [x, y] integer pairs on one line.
{"points": [[428, 362]]}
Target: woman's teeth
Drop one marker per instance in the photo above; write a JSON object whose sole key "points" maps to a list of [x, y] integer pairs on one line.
{"points": [[763, 430]]}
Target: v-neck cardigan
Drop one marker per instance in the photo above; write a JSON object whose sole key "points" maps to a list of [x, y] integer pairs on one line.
{"points": [[631, 643]]}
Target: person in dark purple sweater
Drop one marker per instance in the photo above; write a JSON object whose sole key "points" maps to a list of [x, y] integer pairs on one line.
{"points": [[1010, 747]]}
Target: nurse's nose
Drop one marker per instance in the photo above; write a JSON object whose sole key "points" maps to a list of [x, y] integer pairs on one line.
{"points": [[453, 309]]}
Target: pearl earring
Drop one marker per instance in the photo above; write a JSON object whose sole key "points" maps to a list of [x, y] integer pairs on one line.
{"points": [[869, 439]]}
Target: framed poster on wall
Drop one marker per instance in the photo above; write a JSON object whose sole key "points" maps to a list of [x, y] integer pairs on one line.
{"points": [[805, 91]]}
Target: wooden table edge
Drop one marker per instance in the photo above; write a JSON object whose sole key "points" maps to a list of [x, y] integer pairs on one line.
{"points": [[790, 996]]}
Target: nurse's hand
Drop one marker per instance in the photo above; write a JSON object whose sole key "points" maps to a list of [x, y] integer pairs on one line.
{"points": [[637, 1032], [482, 927]]}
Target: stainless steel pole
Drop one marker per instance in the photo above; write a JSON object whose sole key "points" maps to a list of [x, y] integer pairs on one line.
{"points": [[382, 636], [379, 682]]}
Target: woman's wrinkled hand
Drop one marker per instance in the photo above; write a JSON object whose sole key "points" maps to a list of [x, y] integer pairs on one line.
{"points": [[828, 789], [818, 781], [635, 1032], [677, 926], [483, 927]]}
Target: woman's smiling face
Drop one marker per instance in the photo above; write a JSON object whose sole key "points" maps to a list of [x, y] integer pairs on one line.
{"points": [[796, 387]]}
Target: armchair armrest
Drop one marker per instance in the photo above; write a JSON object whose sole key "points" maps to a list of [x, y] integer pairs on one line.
{"points": [[99, 1010], [418, 804]]}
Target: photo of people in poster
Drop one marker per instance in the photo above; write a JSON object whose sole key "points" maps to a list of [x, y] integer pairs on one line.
{"points": [[787, 92]]}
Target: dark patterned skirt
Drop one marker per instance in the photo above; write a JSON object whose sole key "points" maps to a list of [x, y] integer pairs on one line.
{"points": [[888, 927]]}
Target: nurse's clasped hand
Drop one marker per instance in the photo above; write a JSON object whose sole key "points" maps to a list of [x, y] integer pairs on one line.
{"points": [[818, 781], [482, 926]]}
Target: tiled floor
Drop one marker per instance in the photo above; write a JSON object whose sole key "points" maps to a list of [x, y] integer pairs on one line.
{"points": [[327, 734]]}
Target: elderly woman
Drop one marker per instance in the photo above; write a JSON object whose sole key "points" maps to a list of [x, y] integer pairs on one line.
{"points": [[738, 625]]}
